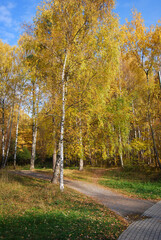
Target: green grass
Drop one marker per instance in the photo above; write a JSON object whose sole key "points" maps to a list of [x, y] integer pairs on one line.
{"points": [[142, 183], [146, 190], [35, 209], [145, 185]]}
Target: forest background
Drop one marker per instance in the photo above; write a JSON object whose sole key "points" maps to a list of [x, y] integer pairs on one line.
{"points": [[81, 89]]}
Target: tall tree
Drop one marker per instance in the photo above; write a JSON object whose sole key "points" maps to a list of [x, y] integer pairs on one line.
{"points": [[6, 90], [33, 84], [62, 27]]}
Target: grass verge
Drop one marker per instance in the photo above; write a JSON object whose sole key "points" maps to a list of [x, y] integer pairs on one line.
{"points": [[35, 209], [144, 184], [141, 183], [137, 184]]}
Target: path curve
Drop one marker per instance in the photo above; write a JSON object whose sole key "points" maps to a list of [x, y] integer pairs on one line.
{"points": [[120, 204], [149, 227]]}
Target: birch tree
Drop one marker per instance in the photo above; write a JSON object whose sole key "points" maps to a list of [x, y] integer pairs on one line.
{"points": [[33, 84], [62, 26], [6, 78]]}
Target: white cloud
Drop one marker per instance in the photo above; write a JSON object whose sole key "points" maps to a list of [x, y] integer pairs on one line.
{"points": [[11, 5], [6, 36], [6, 15], [12, 16], [9, 35]]}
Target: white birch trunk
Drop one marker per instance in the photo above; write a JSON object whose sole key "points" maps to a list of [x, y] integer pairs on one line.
{"points": [[34, 132], [141, 152], [3, 139], [9, 141], [62, 127], [56, 169], [159, 79], [7, 130], [133, 109], [81, 148], [33, 153], [121, 159], [16, 140], [120, 151]]}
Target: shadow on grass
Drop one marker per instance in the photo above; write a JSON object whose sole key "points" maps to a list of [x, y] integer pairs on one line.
{"points": [[28, 181], [56, 225]]}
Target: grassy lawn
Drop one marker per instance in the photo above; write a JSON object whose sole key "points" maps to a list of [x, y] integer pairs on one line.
{"points": [[145, 185], [35, 209], [142, 184]]}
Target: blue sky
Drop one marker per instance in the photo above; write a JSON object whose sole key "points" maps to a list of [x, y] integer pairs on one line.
{"points": [[13, 13], [150, 10]]}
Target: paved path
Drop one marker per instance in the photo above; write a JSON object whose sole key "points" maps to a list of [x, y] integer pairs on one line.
{"points": [[125, 206], [145, 229], [148, 228]]}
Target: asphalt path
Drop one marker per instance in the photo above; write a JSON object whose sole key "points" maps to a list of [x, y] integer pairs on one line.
{"points": [[124, 206]]}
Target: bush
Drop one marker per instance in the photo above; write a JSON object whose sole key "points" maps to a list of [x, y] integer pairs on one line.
{"points": [[23, 156]]}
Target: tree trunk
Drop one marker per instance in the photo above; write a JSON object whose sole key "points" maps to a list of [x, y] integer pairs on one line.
{"points": [[150, 124], [54, 156], [120, 151], [159, 79], [62, 127], [133, 110], [9, 141], [141, 152], [16, 140], [90, 155], [57, 168], [34, 131], [81, 148], [154, 143], [7, 130], [81, 164], [3, 140], [33, 154]]}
